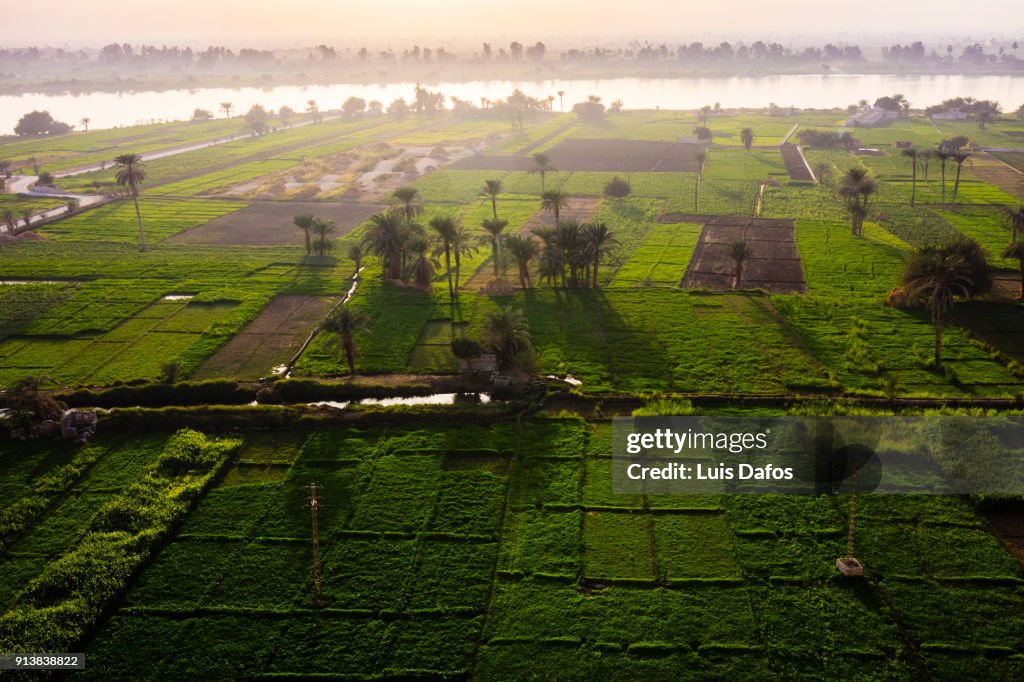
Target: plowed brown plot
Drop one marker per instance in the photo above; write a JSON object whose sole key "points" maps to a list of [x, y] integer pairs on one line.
{"points": [[580, 209], [774, 264], [270, 223], [600, 155], [998, 173], [269, 340]]}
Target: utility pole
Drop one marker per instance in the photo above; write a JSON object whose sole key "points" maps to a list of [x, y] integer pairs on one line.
{"points": [[314, 507]]}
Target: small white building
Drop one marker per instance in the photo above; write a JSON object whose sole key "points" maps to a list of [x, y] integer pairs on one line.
{"points": [[951, 114]]}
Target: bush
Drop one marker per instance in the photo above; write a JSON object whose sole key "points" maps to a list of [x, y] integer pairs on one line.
{"points": [[465, 348], [617, 188]]}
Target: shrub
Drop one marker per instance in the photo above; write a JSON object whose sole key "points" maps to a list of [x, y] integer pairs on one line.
{"points": [[465, 348], [617, 188]]}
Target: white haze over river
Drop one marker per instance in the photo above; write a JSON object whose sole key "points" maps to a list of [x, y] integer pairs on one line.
{"points": [[108, 109]]}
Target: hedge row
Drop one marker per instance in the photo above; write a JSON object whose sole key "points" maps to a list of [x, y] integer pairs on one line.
{"points": [[60, 606]]}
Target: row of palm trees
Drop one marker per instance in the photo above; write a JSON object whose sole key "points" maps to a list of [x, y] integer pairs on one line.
{"points": [[946, 151], [316, 231], [567, 253]]}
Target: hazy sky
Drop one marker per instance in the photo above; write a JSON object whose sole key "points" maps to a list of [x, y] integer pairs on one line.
{"points": [[453, 22]]}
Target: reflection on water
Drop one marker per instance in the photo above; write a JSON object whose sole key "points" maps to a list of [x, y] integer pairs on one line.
{"points": [[435, 399], [109, 109]]}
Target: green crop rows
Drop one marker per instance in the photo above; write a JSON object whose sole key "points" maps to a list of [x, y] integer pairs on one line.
{"points": [[500, 552]]}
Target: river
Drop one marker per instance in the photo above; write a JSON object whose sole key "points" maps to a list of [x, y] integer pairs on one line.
{"points": [[108, 109]]}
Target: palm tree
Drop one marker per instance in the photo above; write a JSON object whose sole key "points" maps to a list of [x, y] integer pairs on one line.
{"points": [[346, 322], [409, 197], [568, 240], [701, 157], [131, 172], [911, 154], [494, 227], [444, 228], [227, 108], [704, 115], [554, 200], [492, 188], [943, 156], [423, 267], [386, 240], [1014, 216], [855, 189], [523, 249], [542, 165], [304, 221], [937, 279], [926, 158], [322, 228], [561, 101], [740, 253], [355, 254], [462, 244], [26, 396], [313, 109], [959, 156], [599, 242], [85, 121], [1016, 250], [747, 138], [508, 334], [10, 220]]}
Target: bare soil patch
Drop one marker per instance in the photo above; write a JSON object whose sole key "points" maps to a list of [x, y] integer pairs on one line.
{"points": [[624, 156], [270, 223], [774, 264], [270, 340], [995, 172]]}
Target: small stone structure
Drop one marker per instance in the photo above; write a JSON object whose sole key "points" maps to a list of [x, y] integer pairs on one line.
{"points": [[850, 567], [79, 424]]}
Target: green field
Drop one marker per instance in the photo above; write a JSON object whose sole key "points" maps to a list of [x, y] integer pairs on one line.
{"points": [[457, 543], [497, 552]]}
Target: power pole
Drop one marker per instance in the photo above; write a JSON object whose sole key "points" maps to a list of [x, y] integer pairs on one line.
{"points": [[314, 506]]}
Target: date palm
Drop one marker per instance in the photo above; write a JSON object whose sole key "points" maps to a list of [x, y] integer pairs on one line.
{"points": [[542, 165], [494, 228], [554, 200], [508, 334], [943, 156], [912, 154], [444, 229], [131, 172], [346, 323], [462, 244], [747, 138], [85, 121], [322, 228], [937, 282], [599, 243], [304, 221], [227, 108], [409, 197], [740, 253], [491, 190], [1015, 217], [386, 239], [523, 250], [701, 158], [855, 189], [313, 109], [959, 156], [423, 267]]}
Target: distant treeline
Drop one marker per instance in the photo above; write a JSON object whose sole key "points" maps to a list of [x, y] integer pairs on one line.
{"points": [[740, 52]]}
